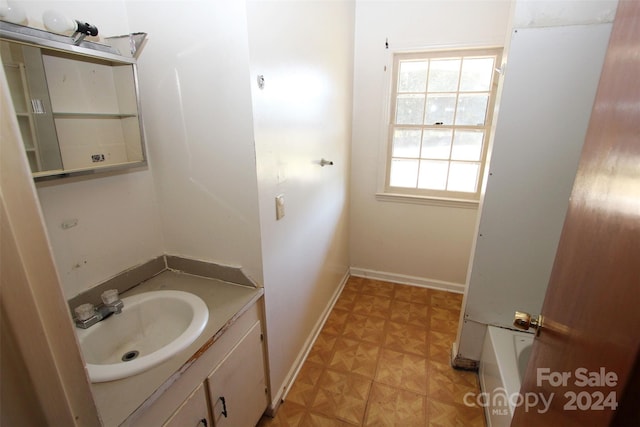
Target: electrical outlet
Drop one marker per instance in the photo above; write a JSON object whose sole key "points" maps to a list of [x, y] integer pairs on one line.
{"points": [[279, 206]]}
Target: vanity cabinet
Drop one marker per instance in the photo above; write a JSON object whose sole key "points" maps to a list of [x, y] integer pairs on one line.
{"points": [[228, 378], [237, 386], [193, 412]]}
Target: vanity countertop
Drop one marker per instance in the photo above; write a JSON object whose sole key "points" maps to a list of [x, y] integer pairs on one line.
{"points": [[116, 400]]}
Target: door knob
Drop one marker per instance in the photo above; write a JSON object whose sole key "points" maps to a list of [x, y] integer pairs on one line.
{"points": [[524, 321]]}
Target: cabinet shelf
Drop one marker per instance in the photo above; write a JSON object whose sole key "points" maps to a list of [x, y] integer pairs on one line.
{"points": [[85, 115], [72, 107]]}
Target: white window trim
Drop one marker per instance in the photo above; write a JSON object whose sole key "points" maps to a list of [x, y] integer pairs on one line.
{"points": [[427, 200], [382, 194]]}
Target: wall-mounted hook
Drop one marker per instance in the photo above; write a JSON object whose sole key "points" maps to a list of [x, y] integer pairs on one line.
{"points": [[324, 162]]}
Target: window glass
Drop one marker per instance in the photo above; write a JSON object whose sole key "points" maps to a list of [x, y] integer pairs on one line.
{"points": [[463, 177], [443, 75], [410, 110], [436, 143], [413, 76], [406, 143], [472, 109], [476, 74], [404, 173], [467, 145], [440, 123], [440, 109], [433, 174]]}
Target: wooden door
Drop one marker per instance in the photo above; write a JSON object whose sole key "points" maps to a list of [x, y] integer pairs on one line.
{"points": [[584, 358]]}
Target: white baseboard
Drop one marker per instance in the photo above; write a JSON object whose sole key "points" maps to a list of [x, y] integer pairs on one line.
{"points": [[306, 348], [408, 280]]}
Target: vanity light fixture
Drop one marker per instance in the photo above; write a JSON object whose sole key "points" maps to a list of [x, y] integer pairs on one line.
{"points": [[11, 12], [58, 23]]}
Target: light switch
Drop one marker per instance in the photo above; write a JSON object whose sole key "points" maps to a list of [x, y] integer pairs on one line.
{"points": [[279, 206]]}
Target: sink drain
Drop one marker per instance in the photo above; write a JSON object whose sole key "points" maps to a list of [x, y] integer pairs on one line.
{"points": [[130, 355]]}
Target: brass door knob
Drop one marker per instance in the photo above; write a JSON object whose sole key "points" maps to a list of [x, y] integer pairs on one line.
{"points": [[524, 321]]}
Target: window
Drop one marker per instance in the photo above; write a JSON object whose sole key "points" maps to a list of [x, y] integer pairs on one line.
{"points": [[441, 110]]}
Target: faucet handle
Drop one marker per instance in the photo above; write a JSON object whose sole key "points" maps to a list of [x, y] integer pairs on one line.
{"points": [[110, 296], [85, 311]]}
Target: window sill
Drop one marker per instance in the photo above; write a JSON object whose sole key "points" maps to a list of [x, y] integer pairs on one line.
{"points": [[431, 201]]}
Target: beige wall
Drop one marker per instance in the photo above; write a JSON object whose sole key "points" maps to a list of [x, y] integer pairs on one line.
{"points": [[47, 369], [408, 242], [209, 190], [303, 114], [198, 197], [196, 100], [117, 215], [18, 396]]}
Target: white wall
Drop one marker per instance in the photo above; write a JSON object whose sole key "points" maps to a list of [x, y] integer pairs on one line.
{"points": [[198, 198], [304, 50], [399, 241], [196, 100], [118, 222], [118, 227], [550, 13], [552, 73], [209, 189]]}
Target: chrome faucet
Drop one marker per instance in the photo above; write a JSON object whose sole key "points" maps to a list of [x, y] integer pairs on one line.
{"points": [[88, 315]]}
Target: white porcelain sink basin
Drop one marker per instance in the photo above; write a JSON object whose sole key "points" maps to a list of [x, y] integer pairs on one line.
{"points": [[152, 327]]}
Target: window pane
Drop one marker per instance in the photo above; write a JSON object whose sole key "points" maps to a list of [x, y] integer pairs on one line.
{"points": [[440, 121], [472, 109], [476, 74], [463, 177], [412, 76], [406, 143], [440, 109], [436, 144], [467, 145], [443, 75], [433, 174], [404, 173], [410, 109]]}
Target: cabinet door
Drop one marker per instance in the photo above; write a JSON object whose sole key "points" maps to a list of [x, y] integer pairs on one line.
{"points": [[28, 86], [193, 412], [237, 386]]}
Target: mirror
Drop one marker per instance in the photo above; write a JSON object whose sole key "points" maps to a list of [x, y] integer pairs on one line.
{"points": [[77, 106]]}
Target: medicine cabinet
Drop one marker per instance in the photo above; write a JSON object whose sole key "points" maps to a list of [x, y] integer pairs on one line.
{"points": [[77, 107]]}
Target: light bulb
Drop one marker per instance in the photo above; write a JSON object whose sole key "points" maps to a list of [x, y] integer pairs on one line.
{"points": [[11, 12], [57, 22]]}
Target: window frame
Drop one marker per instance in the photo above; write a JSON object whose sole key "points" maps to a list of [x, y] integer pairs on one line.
{"points": [[443, 197]]}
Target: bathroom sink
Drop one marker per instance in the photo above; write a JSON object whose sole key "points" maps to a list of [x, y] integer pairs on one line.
{"points": [[153, 327]]}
